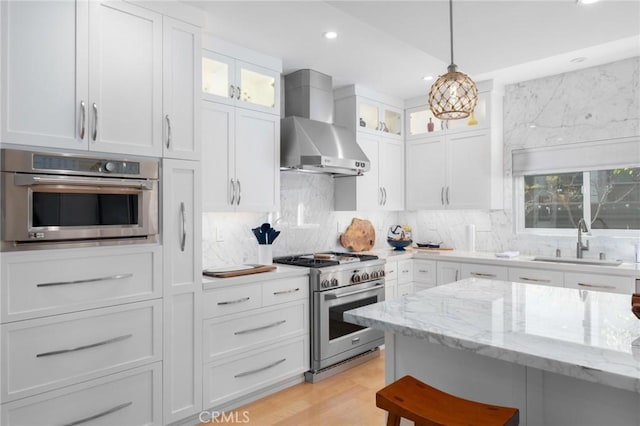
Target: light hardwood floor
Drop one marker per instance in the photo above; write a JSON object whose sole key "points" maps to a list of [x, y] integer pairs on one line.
{"points": [[348, 398]]}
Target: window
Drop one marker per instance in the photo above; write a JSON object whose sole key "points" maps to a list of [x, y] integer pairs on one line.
{"points": [[606, 199]]}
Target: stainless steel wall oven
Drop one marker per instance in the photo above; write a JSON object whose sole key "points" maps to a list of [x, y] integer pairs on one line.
{"points": [[63, 200]]}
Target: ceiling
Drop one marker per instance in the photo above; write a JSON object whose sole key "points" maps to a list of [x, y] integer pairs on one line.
{"points": [[389, 46]]}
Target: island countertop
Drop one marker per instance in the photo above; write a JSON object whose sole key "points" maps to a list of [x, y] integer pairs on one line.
{"points": [[578, 333]]}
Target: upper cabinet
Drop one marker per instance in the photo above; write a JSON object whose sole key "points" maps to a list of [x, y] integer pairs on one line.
{"points": [[234, 82], [89, 75], [365, 111]]}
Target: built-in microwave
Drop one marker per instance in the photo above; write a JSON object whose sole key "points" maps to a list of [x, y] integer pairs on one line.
{"points": [[64, 200]]}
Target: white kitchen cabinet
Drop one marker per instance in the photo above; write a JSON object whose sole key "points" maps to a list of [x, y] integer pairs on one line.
{"points": [[448, 272], [382, 187], [182, 245], [537, 276], [490, 272], [181, 76], [406, 289], [596, 282], [391, 279], [234, 82], [425, 273], [363, 110], [241, 157]]}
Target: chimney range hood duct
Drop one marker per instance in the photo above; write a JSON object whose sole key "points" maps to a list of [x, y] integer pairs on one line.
{"points": [[309, 140]]}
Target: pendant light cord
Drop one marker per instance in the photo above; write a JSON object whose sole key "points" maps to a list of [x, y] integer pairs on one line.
{"points": [[451, 27]]}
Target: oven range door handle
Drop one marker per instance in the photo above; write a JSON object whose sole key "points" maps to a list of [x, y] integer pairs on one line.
{"points": [[32, 180], [332, 296]]}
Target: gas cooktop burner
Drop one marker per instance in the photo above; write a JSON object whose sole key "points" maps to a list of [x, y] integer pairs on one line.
{"points": [[321, 260]]}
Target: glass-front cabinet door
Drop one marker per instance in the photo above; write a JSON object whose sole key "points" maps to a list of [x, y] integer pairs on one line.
{"points": [[374, 117], [217, 78], [258, 88]]}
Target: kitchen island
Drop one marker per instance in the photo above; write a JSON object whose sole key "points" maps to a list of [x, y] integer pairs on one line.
{"points": [[562, 356]]}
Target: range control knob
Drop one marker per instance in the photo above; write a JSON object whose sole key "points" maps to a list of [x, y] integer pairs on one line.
{"points": [[110, 167], [355, 278], [374, 275], [381, 273], [334, 282], [324, 283], [365, 276]]}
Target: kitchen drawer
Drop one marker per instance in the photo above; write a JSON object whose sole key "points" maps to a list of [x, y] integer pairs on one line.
{"points": [[256, 330], [230, 300], [424, 271], [422, 286], [391, 270], [405, 289], [609, 283], [133, 397], [390, 289], [226, 381], [60, 281], [405, 271], [537, 276], [42, 354], [285, 290], [490, 272]]}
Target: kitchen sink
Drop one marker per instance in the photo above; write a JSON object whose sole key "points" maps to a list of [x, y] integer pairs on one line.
{"points": [[577, 261]]}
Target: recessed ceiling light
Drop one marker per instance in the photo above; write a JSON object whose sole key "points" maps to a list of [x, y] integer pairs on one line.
{"points": [[427, 78], [578, 59], [330, 34], [586, 1]]}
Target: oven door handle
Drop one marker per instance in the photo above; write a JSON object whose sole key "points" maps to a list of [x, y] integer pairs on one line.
{"points": [[332, 296], [32, 180]]}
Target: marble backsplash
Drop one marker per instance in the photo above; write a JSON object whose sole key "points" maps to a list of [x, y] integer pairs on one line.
{"points": [[590, 104]]}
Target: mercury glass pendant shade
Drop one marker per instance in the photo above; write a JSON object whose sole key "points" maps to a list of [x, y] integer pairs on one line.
{"points": [[453, 95]]}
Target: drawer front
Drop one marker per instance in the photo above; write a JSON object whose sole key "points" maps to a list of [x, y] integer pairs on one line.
{"points": [[424, 271], [489, 272], [405, 271], [287, 290], [609, 283], [228, 381], [130, 398], [422, 286], [536, 276], [230, 300], [46, 283], [43, 354], [254, 331], [391, 270], [405, 289]]}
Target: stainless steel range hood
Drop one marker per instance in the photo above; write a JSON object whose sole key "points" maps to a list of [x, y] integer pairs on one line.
{"points": [[309, 140]]}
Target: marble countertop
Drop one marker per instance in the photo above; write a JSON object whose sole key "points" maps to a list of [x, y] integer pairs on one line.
{"points": [[282, 271], [625, 269], [578, 333]]}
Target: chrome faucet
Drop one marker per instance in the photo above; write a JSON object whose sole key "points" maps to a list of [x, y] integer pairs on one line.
{"points": [[582, 227]]}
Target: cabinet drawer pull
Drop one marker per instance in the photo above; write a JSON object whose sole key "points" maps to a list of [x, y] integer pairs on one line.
{"points": [[168, 131], [534, 280], [293, 290], [424, 271], [83, 118], [88, 280], [233, 302], [391, 271], [480, 274], [264, 327], [81, 348], [97, 416], [405, 271], [610, 287], [448, 196], [248, 373]]}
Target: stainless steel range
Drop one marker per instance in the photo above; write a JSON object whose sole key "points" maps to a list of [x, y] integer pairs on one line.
{"points": [[340, 282]]}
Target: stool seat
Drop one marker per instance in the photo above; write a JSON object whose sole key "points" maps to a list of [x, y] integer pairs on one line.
{"points": [[427, 406]]}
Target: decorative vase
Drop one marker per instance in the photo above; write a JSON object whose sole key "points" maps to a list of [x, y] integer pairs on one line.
{"points": [[472, 120], [430, 125]]}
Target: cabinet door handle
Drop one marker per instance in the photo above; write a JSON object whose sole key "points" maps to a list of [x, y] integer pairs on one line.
{"points": [[384, 191], [95, 122], [81, 348], [456, 277], [534, 280], [480, 274], [97, 416], [257, 370], [448, 196], [608, 287], [379, 195], [424, 271], [238, 92], [293, 290], [168, 130], [83, 117], [233, 302], [264, 327], [232, 185], [88, 280], [183, 238], [239, 191], [232, 91], [442, 195]]}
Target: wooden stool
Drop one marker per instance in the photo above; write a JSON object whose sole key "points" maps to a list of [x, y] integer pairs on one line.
{"points": [[427, 406]]}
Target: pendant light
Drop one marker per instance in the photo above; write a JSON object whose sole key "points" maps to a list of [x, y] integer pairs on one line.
{"points": [[453, 95]]}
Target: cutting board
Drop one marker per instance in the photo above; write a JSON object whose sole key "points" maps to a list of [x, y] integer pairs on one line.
{"points": [[433, 249], [237, 271], [359, 236]]}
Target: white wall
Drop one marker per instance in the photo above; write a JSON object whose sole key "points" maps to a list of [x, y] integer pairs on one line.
{"points": [[591, 104]]}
